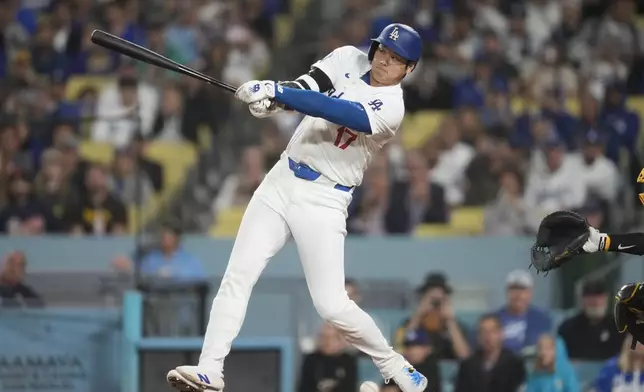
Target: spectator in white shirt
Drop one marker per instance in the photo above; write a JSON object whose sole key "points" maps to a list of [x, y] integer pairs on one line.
{"points": [[559, 187], [452, 162], [123, 109], [600, 173], [542, 18]]}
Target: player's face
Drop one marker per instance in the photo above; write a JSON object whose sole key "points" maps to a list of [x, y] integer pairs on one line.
{"points": [[387, 68]]}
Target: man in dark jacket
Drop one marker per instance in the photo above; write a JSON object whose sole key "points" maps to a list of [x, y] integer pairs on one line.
{"points": [[491, 368], [590, 334]]}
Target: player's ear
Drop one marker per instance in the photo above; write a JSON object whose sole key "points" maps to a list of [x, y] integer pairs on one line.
{"points": [[410, 67]]}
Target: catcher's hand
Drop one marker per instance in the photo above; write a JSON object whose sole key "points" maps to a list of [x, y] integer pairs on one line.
{"points": [[629, 311], [562, 235]]}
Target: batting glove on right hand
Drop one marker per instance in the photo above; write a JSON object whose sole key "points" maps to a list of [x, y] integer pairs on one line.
{"points": [[256, 90]]}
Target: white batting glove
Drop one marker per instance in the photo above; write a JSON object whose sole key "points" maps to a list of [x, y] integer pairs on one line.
{"points": [[256, 90], [596, 241], [264, 108]]}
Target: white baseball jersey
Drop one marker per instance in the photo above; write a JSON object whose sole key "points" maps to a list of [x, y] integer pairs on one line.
{"points": [[341, 154]]}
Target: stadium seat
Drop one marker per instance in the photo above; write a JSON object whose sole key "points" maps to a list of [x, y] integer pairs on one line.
{"points": [[77, 83], [434, 230], [419, 127], [176, 159], [228, 222], [97, 152], [467, 220]]}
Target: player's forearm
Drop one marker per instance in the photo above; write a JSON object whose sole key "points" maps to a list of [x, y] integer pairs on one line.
{"points": [[632, 243], [338, 111]]}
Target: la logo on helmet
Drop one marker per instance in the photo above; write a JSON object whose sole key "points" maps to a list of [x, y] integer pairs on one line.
{"points": [[394, 34]]}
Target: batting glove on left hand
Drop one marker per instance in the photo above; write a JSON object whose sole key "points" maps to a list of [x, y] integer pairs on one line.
{"points": [[256, 90], [264, 108]]}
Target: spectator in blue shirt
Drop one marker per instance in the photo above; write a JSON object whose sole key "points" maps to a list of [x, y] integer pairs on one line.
{"points": [[553, 371], [168, 261], [171, 261], [523, 323], [623, 372]]}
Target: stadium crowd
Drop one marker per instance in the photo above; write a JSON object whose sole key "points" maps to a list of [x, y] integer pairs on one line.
{"points": [[481, 58]]}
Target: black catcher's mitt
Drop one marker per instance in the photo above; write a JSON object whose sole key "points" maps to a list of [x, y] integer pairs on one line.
{"points": [[629, 311], [561, 236]]}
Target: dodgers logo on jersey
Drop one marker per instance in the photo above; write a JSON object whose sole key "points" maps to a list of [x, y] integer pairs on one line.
{"points": [[394, 34], [376, 104]]}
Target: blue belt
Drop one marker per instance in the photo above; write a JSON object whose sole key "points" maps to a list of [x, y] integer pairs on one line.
{"points": [[305, 172]]}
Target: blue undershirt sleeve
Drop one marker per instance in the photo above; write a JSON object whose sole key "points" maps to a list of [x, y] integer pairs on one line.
{"points": [[338, 111]]}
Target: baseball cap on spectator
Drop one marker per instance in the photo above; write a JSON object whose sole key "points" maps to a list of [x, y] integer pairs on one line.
{"points": [[416, 337], [594, 287], [519, 279], [434, 280]]}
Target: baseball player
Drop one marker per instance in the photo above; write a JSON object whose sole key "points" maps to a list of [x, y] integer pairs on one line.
{"points": [[353, 104]]}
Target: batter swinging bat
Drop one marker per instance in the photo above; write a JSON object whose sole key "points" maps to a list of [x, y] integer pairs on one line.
{"points": [[140, 53]]}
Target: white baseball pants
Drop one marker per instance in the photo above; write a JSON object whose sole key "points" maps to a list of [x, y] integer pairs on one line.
{"points": [[314, 213]]}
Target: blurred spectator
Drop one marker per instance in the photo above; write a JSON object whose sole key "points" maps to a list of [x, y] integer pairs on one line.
{"points": [[520, 43], [329, 368], [426, 87], [74, 166], [51, 185], [599, 173], [24, 214], [616, 28], [238, 188], [489, 16], [183, 33], [13, 291], [559, 187], [459, 47], [435, 316], [623, 372], [124, 109], [497, 112], [542, 17], [552, 369], [484, 172], [552, 73], [11, 157], [127, 181], [46, 58], [452, 162], [156, 40], [522, 322], [491, 367], [418, 351], [590, 335], [397, 208], [568, 34], [120, 22], [168, 124], [247, 58], [507, 214], [369, 209], [272, 142], [203, 106], [169, 261], [416, 199], [15, 36], [88, 58], [97, 211], [620, 124], [152, 169]]}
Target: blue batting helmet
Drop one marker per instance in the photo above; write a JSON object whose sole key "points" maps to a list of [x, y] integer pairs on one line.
{"points": [[401, 39]]}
